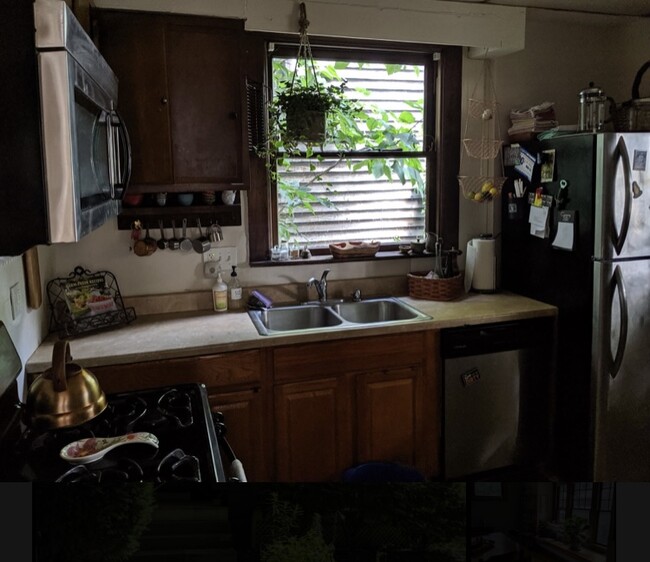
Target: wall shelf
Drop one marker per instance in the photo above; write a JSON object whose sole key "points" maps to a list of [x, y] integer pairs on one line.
{"points": [[224, 215]]}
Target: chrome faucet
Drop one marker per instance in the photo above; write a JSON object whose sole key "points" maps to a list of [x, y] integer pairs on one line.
{"points": [[321, 286]]}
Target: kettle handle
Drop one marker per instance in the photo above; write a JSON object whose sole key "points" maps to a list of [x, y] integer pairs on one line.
{"points": [[60, 357]]}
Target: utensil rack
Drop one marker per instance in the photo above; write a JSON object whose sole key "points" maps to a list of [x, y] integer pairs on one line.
{"points": [[67, 324]]}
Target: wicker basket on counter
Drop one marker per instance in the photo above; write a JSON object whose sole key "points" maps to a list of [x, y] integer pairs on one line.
{"points": [[446, 289]]}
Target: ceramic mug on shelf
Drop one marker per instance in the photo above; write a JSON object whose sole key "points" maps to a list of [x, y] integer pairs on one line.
{"points": [[185, 199], [228, 196]]}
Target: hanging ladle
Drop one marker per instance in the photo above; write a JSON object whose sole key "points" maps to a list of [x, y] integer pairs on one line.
{"points": [[162, 242], [186, 243]]}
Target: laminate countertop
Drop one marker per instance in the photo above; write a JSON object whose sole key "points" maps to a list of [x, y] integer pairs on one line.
{"points": [[187, 334]]}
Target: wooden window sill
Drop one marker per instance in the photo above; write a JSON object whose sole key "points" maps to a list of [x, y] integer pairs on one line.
{"points": [[325, 258]]}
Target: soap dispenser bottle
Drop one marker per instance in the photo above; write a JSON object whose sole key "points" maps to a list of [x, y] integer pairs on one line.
{"points": [[220, 295], [234, 291]]}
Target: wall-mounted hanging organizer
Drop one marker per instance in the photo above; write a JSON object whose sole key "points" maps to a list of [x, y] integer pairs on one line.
{"points": [[86, 302], [482, 142]]}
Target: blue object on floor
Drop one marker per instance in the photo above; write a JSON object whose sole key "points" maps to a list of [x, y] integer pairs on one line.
{"points": [[378, 471]]}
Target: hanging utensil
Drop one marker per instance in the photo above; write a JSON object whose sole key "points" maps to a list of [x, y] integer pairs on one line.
{"points": [[139, 246], [202, 243], [150, 242], [162, 242], [174, 243], [216, 234], [186, 243]]}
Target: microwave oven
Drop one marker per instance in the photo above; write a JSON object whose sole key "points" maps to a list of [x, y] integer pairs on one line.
{"points": [[64, 154]]}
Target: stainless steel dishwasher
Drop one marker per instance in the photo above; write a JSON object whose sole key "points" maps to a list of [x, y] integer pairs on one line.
{"points": [[497, 396]]}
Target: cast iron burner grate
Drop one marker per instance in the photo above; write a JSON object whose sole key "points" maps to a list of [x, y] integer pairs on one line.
{"points": [[178, 416]]}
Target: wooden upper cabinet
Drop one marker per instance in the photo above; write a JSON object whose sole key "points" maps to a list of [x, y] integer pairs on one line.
{"points": [[182, 96]]}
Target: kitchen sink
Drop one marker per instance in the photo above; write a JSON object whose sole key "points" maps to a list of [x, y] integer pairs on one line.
{"points": [[293, 318], [377, 310], [322, 317]]}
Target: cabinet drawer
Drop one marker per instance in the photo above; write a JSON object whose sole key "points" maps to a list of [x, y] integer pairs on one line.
{"points": [[358, 354], [227, 369]]}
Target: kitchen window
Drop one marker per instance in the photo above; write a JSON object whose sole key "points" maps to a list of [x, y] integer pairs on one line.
{"points": [[592, 501], [383, 182]]}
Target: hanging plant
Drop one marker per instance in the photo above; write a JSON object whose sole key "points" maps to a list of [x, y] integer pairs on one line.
{"points": [[299, 111]]}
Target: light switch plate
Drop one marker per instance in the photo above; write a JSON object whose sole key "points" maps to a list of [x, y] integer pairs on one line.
{"points": [[219, 258], [17, 298]]}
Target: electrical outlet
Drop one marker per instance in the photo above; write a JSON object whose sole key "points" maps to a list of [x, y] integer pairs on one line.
{"points": [[17, 298], [222, 258]]}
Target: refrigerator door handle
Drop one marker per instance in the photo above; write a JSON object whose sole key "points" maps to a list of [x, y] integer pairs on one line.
{"points": [[617, 283], [621, 154]]}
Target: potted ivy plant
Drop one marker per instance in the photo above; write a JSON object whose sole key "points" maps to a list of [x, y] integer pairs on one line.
{"points": [[300, 110]]}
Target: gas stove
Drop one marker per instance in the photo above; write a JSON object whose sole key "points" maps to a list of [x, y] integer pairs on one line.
{"points": [[179, 416]]}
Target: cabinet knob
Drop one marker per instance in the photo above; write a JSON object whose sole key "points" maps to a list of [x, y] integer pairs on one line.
{"points": [[163, 100], [233, 115]]}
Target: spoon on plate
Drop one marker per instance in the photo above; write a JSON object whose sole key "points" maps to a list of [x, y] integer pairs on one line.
{"points": [[92, 449]]}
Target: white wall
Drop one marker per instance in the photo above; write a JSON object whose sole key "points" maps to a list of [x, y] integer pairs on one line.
{"points": [[560, 57]]}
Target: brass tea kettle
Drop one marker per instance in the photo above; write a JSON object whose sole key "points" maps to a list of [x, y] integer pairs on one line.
{"points": [[64, 395]]}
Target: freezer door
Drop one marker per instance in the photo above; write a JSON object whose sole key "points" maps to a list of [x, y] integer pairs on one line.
{"points": [[621, 371], [622, 195]]}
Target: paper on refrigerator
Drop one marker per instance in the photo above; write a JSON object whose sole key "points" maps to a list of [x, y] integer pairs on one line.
{"points": [[538, 220]]}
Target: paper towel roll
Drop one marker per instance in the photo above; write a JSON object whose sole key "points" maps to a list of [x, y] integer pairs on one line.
{"points": [[480, 265]]}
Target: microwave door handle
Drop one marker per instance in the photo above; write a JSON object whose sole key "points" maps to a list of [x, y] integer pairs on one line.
{"points": [[110, 146], [125, 171]]}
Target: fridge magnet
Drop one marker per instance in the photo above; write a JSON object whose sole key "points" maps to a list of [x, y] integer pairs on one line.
{"points": [[639, 161], [526, 164], [511, 155], [548, 165]]}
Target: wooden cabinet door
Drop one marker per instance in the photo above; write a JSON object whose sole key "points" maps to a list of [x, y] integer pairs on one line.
{"points": [[181, 94], [243, 412], [313, 431], [203, 74], [387, 420], [134, 47]]}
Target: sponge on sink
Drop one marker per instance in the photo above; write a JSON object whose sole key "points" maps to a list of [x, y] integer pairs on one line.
{"points": [[258, 300]]}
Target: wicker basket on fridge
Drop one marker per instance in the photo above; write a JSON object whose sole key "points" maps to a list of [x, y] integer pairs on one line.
{"points": [[445, 289]]}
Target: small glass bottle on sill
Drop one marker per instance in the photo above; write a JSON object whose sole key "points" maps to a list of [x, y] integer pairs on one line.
{"points": [[284, 251], [294, 251]]}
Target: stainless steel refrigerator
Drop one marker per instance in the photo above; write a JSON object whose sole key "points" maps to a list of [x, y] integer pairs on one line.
{"points": [[601, 285]]}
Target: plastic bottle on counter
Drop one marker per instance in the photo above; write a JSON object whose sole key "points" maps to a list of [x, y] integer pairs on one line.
{"points": [[234, 291], [220, 295]]}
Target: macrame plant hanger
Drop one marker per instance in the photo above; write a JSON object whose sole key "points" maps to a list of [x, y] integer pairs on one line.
{"points": [[304, 51]]}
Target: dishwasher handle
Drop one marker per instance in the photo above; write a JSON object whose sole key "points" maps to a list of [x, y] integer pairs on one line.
{"points": [[492, 338]]}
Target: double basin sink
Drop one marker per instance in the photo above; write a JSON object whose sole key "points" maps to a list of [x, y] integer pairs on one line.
{"points": [[332, 315]]}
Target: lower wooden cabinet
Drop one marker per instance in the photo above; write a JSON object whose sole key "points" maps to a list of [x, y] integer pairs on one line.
{"points": [[236, 383], [243, 412], [358, 400], [388, 417], [308, 412], [313, 437]]}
